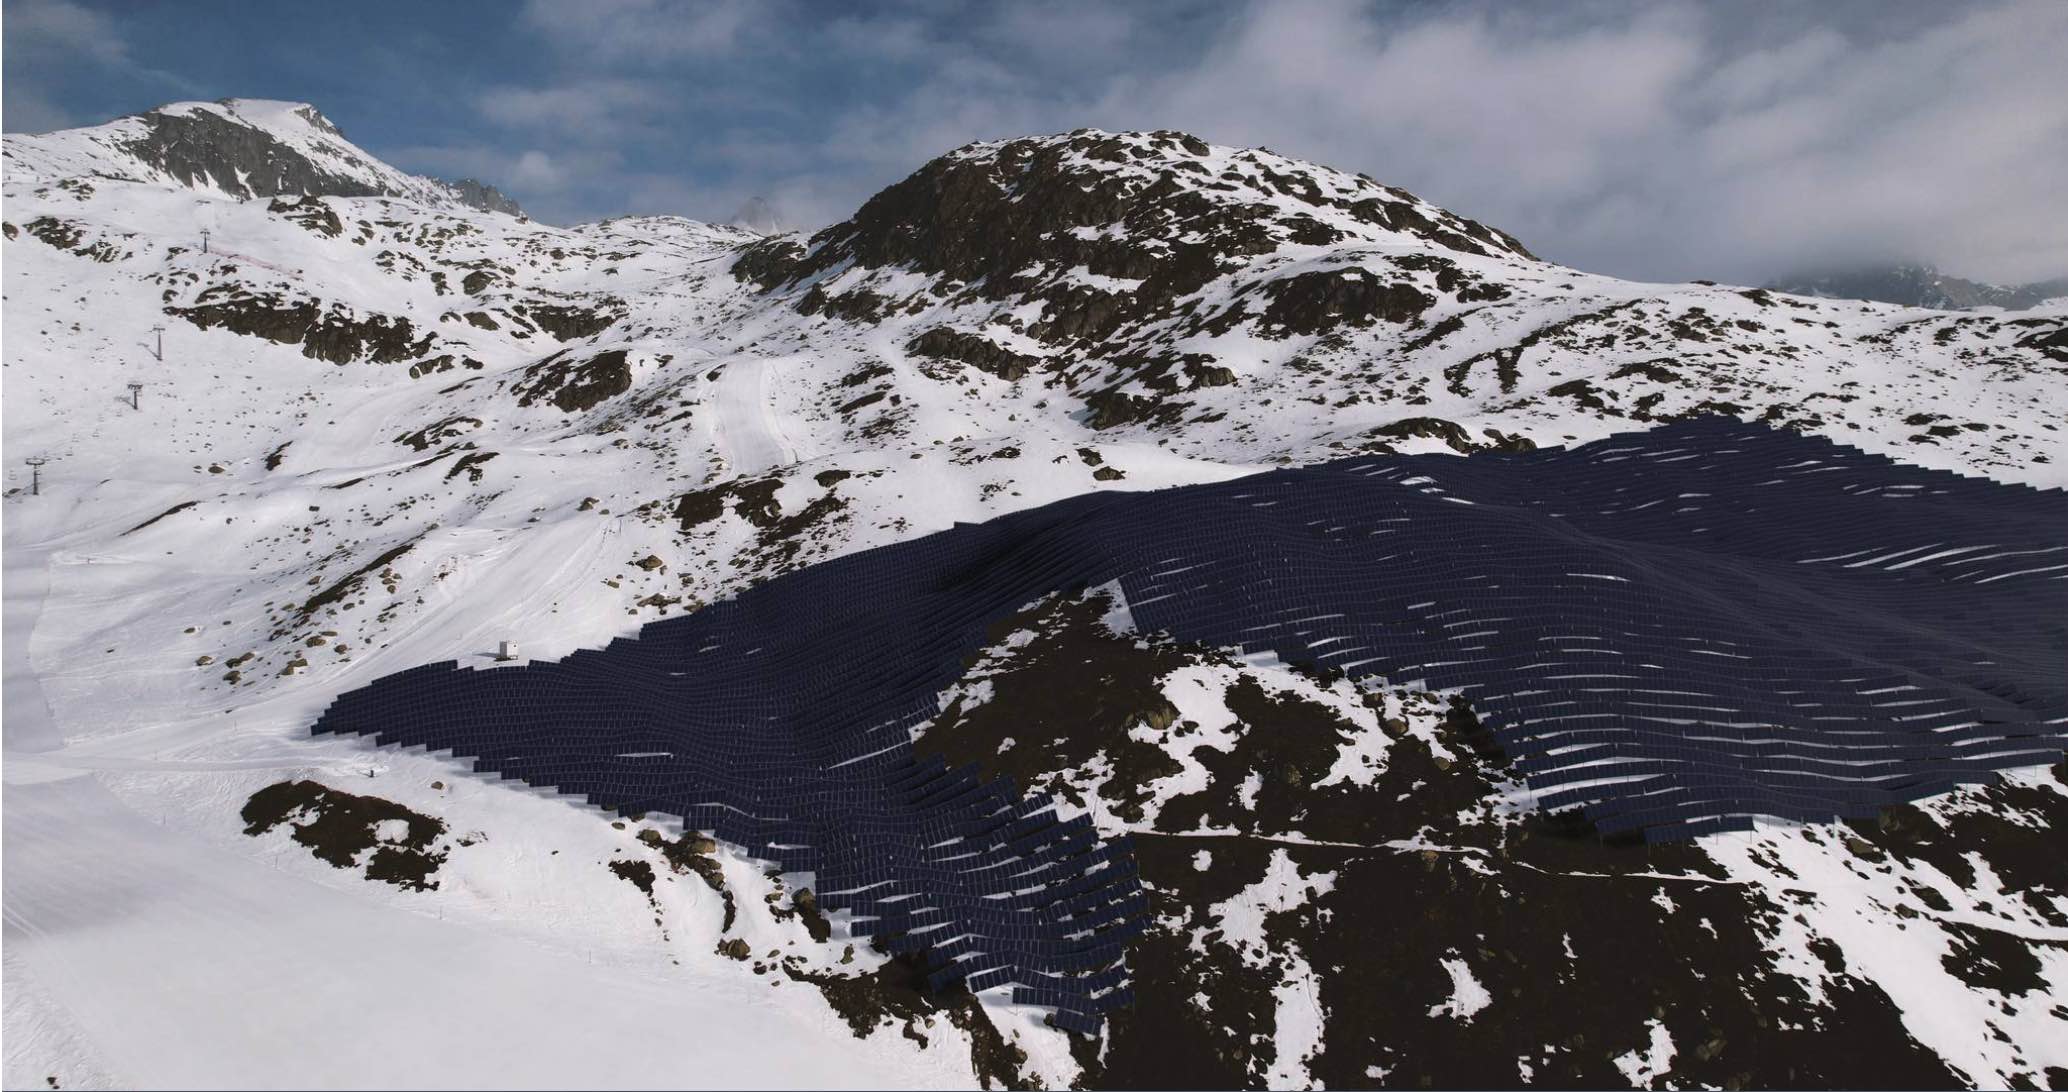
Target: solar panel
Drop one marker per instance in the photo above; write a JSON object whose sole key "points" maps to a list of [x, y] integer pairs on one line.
{"points": [[1747, 620]]}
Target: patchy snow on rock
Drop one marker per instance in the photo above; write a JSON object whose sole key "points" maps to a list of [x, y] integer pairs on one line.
{"points": [[1298, 1018], [1979, 972], [1284, 888]]}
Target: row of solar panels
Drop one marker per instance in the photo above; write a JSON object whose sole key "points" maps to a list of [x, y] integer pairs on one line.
{"points": [[785, 714]]}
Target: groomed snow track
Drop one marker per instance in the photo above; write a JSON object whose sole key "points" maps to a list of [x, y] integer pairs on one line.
{"points": [[1676, 630]]}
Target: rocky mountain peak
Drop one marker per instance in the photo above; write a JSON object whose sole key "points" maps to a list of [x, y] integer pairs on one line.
{"points": [[1096, 244], [307, 113], [1162, 207], [476, 194], [242, 148]]}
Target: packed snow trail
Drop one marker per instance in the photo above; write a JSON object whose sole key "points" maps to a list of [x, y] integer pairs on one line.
{"points": [[189, 966], [29, 726], [746, 428]]}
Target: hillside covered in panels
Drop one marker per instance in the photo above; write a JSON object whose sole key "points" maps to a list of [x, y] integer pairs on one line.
{"points": [[1049, 468]]}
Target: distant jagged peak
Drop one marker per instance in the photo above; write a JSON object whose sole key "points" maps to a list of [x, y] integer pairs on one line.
{"points": [[759, 215], [1919, 284], [475, 193], [240, 148]]}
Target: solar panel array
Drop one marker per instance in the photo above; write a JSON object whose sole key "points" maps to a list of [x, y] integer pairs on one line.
{"points": [[1675, 631]]}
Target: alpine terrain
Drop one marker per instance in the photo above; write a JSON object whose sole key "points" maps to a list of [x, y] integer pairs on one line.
{"points": [[305, 421], [1924, 286]]}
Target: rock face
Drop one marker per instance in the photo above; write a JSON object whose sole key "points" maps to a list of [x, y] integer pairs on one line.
{"points": [[575, 385], [569, 322], [390, 842], [1303, 839], [310, 213], [1107, 229], [331, 333], [1091, 249], [972, 349], [219, 150], [1312, 302], [480, 195]]}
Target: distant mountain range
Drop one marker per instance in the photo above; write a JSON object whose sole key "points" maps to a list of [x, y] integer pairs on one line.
{"points": [[1910, 285]]}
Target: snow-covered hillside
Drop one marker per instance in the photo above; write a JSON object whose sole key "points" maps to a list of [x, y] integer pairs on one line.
{"points": [[389, 428]]}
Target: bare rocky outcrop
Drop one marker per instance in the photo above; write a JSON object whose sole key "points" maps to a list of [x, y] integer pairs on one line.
{"points": [[575, 384], [345, 830], [1314, 302], [205, 148], [476, 194], [310, 213], [1453, 435], [1107, 229], [331, 332], [65, 235], [429, 436], [974, 350], [567, 321]]}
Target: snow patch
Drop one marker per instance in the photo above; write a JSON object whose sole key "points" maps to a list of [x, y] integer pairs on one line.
{"points": [[1467, 996]]}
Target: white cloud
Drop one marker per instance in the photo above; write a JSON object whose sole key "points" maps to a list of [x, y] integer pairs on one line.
{"points": [[65, 26], [646, 30], [591, 110], [1667, 141], [1636, 145], [46, 36], [535, 170], [529, 173]]}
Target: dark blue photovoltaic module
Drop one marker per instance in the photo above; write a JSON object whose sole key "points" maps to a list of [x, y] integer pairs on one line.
{"points": [[1675, 630]]}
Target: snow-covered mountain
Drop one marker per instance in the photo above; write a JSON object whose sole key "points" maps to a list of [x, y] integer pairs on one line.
{"points": [[1924, 286], [390, 427], [239, 148]]}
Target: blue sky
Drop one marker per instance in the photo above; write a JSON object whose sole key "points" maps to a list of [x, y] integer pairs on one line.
{"points": [[1664, 140]]}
